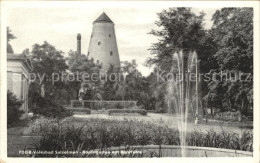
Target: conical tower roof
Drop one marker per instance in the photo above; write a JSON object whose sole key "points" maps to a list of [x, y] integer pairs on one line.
{"points": [[103, 18]]}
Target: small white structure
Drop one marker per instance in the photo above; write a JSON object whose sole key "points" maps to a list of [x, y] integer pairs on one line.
{"points": [[18, 68]]}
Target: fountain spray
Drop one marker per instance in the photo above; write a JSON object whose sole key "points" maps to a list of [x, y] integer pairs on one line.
{"points": [[183, 92]]}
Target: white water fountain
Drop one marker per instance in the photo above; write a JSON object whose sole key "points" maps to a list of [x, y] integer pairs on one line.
{"points": [[183, 91]]}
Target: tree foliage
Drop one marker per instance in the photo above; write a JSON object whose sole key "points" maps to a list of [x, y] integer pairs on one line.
{"points": [[226, 48], [80, 64], [46, 90], [233, 34], [10, 36], [123, 84], [48, 62], [179, 28]]}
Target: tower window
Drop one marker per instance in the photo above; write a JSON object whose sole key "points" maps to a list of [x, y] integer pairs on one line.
{"points": [[111, 53], [91, 36], [109, 35], [97, 61], [99, 43]]}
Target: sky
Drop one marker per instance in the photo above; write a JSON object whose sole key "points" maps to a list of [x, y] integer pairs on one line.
{"points": [[59, 27]]}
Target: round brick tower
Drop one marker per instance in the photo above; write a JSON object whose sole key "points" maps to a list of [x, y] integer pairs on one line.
{"points": [[103, 46]]}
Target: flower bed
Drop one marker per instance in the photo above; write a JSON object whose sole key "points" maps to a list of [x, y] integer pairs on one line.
{"points": [[101, 134]]}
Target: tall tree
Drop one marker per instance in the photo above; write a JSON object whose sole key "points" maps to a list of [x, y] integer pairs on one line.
{"points": [[111, 84], [47, 61], [128, 84], [233, 33], [10, 36], [179, 29], [86, 73]]}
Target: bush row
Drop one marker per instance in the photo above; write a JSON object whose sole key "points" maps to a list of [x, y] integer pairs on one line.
{"points": [[127, 111], [230, 116], [109, 105], [79, 110]]}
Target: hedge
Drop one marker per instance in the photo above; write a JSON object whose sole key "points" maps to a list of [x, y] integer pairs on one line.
{"points": [[127, 111], [230, 116], [82, 110], [109, 104]]}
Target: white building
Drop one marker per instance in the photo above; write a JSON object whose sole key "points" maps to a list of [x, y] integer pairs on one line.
{"points": [[18, 68]]}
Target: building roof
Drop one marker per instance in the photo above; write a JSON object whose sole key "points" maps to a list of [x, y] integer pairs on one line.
{"points": [[103, 18], [21, 57], [15, 56]]}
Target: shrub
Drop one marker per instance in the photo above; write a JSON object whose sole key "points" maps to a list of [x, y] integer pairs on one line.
{"points": [[127, 111], [80, 110], [102, 111], [246, 141], [227, 140], [48, 108], [116, 105], [155, 111], [109, 105], [13, 108], [230, 116]]}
